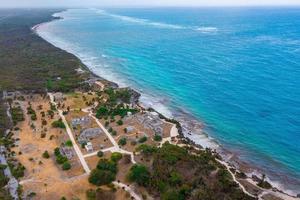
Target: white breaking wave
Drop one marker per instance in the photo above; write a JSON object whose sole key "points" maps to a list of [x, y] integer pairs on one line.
{"points": [[147, 22], [207, 29]]}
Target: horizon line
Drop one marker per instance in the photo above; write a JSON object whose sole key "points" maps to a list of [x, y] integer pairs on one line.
{"points": [[156, 6]]}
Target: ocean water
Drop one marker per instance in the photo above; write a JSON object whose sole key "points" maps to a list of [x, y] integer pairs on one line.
{"points": [[236, 70]]}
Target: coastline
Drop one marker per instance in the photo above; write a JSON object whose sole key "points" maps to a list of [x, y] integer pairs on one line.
{"points": [[228, 159]]}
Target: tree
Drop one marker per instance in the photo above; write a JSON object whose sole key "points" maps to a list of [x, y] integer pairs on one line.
{"points": [[114, 133], [109, 165], [46, 155], [116, 156], [139, 174], [66, 166], [157, 138], [122, 141], [101, 177], [61, 159], [69, 143], [102, 111], [143, 139]]}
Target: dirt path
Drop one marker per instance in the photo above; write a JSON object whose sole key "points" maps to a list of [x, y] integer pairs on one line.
{"points": [[76, 148], [128, 189]]}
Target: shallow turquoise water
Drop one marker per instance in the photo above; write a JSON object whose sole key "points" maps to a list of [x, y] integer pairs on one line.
{"points": [[237, 70]]}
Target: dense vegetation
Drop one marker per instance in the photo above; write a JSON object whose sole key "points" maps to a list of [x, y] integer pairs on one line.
{"points": [[17, 114], [3, 181], [62, 160], [167, 177], [27, 62], [106, 170], [105, 111], [115, 104], [104, 173], [118, 95]]}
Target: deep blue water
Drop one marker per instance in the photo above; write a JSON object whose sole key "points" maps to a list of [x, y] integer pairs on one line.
{"points": [[235, 69]]}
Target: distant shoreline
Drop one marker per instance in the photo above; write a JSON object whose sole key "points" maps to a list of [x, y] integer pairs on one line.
{"points": [[34, 29]]}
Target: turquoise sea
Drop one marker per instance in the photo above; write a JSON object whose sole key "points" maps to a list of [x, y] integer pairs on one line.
{"points": [[233, 73]]}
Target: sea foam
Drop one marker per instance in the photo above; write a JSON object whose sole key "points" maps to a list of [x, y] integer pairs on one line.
{"points": [[147, 22]]}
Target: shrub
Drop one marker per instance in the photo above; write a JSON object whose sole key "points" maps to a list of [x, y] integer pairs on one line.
{"points": [[100, 154], [263, 183], [157, 138], [56, 151], [175, 179], [120, 122], [116, 156], [91, 194], [33, 117], [60, 159], [83, 144], [52, 107], [122, 141], [66, 166], [139, 174], [32, 194], [2, 166], [50, 113], [69, 143], [143, 139], [18, 170], [46, 155], [241, 175], [44, 122], [30, 111], [58, 124]]}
